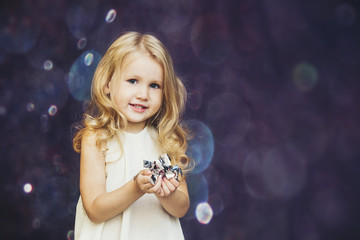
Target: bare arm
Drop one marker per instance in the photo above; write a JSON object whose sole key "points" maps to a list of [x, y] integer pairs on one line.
{"points": [[174, 197], [99, 204]]}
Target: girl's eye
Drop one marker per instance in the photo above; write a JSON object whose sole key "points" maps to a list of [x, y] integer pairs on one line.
{"points": [[132, 81], [154, 85]]}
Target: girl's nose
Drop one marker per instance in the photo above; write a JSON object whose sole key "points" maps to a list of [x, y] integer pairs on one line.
{"points": [[142, 93]]}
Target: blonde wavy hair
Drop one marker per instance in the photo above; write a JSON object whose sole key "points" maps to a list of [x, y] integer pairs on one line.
{"points": [[102, 117]]}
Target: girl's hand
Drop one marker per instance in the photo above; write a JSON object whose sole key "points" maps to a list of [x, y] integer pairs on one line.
{"points": [[142, 180], [168, 187]]}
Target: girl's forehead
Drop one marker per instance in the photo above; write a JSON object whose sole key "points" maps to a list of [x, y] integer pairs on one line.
{"points": [[130, 57]]}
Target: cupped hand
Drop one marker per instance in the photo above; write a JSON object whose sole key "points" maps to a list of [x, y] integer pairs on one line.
{"points": [[142, 180], [168, 187]]}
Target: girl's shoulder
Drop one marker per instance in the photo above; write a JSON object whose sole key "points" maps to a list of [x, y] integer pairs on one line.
{"points": [[94, 138]]}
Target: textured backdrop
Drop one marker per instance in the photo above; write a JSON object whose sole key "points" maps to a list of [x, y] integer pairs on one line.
{"points": [[273, 105]]}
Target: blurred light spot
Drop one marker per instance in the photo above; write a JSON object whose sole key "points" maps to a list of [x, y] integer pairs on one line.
{"points": [[30, 107], [28, 188], [284, 171], [2, 111], [279, 172], [110, 16], [204, 213], [252, 174], [210, 39], [70, 235], [88, 59], [229, 118], [345, 14], [81, 74], [198, 192], [82, 43], [48, 65], [36, 223], [305, 76], [52, 110], [201, 145]]}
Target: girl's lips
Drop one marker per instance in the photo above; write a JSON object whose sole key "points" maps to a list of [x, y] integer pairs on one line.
{"points": [[138, 107]]}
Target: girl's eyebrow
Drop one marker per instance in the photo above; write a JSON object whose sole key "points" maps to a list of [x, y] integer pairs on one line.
{"points": [[132, 76]]}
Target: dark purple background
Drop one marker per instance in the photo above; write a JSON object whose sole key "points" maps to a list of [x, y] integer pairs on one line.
{"points": [[276, 82]]}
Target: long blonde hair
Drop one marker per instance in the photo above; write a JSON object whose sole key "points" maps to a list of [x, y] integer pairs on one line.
{"points": [[102, 117]]}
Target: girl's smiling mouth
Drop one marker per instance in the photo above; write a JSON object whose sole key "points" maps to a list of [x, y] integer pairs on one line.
{"points": [[138, 107]]}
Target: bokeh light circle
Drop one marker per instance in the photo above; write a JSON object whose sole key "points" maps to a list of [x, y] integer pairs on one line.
{"points": [[229, 117], [88, 59], [284, 171], [200, 146], [252, 174], [345, 14], [198, 192], [2, 110], [30, 107], [48, 65], [110, 16], [81, 74], [305, 76], [70, 235], [81, 44], [52, 110], [36, 223], [28, 188], [210, 39], [204, 213], [278, 172]]}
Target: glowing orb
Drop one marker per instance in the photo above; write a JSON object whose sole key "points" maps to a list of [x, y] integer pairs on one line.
{"points": [[204, 213], [305, 76], [30, 107], [201, 145], [88, 59], [48, 65], [52, 110], [110, 16], [81, 74], [70, 235], [28, 188], [82, 43]]}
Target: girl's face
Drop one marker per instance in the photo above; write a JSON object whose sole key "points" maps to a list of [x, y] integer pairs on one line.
{"points": [[138, 91]]}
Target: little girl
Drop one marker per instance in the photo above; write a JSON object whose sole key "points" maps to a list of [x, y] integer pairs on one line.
{"points": [[134, 115]]}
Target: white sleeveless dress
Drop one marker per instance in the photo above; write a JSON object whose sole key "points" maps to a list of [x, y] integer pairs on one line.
{"points": [[145, 219]]}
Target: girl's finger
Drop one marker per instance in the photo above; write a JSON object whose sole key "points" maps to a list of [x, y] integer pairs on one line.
{"points": [[169, 185], [161, 192], [165, 188], [175, 182], [157, 185]]}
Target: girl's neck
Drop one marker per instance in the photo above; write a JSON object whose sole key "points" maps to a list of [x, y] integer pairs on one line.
{"points": [[131, 128]]}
